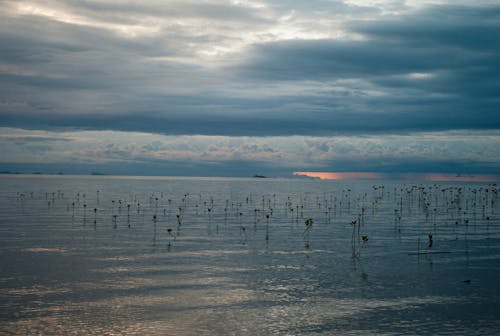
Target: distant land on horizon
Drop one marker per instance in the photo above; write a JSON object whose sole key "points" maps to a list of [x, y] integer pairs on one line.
{"points": [[433, 177]]}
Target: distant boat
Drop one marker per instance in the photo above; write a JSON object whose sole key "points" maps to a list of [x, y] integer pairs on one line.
{"points": [[259, 176]]}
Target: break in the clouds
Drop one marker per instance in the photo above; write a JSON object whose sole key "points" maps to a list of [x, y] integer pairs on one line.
{"points": [[283, 85]]}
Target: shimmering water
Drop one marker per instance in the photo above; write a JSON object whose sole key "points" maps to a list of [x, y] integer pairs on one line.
{"points": [[193, 256]]}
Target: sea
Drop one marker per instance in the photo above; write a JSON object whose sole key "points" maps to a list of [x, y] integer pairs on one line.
{"points": [[121, 255]]}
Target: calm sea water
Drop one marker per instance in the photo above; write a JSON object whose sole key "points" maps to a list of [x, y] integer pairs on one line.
{"points": [[193, 256]]}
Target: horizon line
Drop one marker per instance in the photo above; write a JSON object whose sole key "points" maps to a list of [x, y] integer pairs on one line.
{"points": [[320, 175], [428, 176]]}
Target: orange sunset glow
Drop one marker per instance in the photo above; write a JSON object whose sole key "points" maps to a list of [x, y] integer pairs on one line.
{"points": [[433, 177], [341, 175]]}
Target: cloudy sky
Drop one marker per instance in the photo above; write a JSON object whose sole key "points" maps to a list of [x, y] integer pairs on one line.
{"points": [[234, 88]]}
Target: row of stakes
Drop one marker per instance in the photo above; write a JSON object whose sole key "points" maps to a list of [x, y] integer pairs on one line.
{"points": [[458, 202]]}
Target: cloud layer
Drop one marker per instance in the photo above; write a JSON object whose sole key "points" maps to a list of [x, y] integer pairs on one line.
{"points": [[258, 81], [226, 155]]}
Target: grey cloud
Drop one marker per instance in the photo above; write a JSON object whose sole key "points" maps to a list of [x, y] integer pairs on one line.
{"points": [[34, 138], [331, 8], [464, 27], [350, 80], [422, 42], [324, 59], [433, 69], [128, 12], [375, 116], [476, 150]]}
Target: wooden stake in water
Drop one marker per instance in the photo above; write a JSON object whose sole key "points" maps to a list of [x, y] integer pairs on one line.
{"points": [[267, 227]]}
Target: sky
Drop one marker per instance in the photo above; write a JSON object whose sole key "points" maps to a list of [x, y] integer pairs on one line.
{"points": [[236, 88]]}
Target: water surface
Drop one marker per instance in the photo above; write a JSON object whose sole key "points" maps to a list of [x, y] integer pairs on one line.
{"points": [[204, 256]]}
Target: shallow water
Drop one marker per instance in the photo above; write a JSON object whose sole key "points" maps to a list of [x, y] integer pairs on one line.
{"points": [[67, 269]]}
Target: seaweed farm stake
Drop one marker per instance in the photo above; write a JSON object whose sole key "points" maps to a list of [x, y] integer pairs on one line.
{"points": [[267, 227]]}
